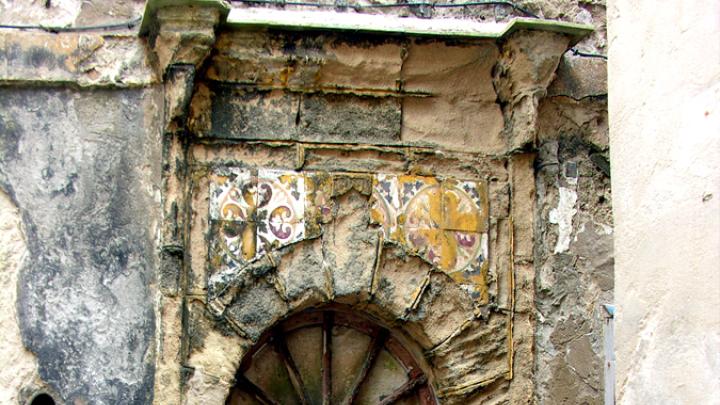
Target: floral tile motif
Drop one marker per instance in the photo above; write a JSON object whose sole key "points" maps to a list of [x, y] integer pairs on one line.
{"points": [[233, 195], [421, 202], [234, 242], [443, 221], [252, 213], [280, 196], [273, 235], [280, 209]]}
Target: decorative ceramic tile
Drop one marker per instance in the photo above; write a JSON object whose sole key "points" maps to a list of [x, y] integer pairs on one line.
{"points": [[473, 277], [410, 186], [234, 242], [421, 202], [280, 196], [444, 222], [385, 204], [318, 196], [273, 235], [253, 214], [319, 203], [465, 206], [233, 195]]}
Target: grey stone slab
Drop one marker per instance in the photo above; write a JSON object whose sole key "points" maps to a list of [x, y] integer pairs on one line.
{"points": [[240, 113], [350, 119]]}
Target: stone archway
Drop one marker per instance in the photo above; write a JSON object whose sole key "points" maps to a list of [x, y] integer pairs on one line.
{"points": [[332, 355]]}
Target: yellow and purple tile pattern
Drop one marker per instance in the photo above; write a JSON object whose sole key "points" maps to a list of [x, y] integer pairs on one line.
{"points": [[253, 212], [443, 221]]}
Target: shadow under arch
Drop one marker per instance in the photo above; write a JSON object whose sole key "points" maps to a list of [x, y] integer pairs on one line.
{"points": [[335, 354]]}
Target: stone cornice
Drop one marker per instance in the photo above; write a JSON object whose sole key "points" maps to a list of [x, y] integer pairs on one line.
{"points": [[244, 18]]}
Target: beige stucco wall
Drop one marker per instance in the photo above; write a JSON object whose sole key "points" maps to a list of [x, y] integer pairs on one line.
{"points": [[664, 85]]}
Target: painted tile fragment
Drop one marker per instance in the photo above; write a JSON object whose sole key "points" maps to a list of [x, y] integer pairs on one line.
{"points": [[280, 196], [385, 204], [445, 222], [421, 199], [464, 206], [233, 195], [319, 204], [318, 198]]}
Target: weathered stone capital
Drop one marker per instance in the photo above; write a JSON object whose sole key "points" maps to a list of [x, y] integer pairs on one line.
{"points": [[185, 35], [182, 34], [182, 31], [521, 77]]}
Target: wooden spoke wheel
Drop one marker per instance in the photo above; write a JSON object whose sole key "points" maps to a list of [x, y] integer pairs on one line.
{"points": [[330, 356]]}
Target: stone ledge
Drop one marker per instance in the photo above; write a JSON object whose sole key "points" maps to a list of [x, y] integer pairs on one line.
{"points": [[243, 18]]}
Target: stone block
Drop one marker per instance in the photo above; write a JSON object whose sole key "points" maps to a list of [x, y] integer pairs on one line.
{"points": [[456, 71], [375, 67], [171, 260], [255, 308], [212, 349], [85, 59], [247, 154], [442, 311], [362, 160], [349, 119], [3, 56], [460, 112], [266, 60], [40, 55], [399, 281], [350, 247], [579, 77], [523, 204], [303, 274], [239, 113], [501, 265], [453, 124], [477, 355]]}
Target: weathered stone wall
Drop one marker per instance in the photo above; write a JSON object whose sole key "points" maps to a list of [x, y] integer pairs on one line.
{"points": [[106, 317], [62, 13]]}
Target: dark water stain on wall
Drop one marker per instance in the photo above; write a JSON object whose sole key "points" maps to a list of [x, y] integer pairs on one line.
{"points": [[85, 296]]}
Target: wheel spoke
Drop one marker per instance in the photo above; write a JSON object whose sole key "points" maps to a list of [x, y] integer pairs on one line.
{"points": [[293, 373], [327, 357], [415, 381], [257, 392], [376, 345]]}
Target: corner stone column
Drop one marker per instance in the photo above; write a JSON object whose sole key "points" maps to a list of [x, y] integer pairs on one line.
{"points": [[181, 38]]}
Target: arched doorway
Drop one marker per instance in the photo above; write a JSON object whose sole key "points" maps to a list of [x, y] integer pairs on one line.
{"points": [[330, 356]]}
